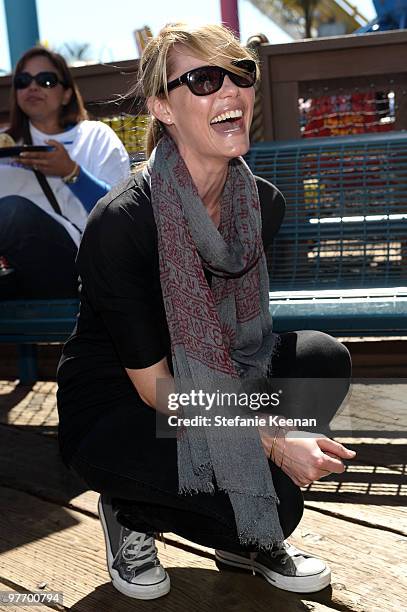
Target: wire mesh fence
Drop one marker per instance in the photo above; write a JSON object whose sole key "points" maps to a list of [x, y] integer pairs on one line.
{"points": [[346, 216]]}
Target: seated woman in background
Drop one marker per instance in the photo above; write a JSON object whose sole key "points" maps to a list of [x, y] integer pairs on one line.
{"points": [[46, 196]]}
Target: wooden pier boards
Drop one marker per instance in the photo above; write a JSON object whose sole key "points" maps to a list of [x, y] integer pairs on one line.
{"points": [[49, 531]]}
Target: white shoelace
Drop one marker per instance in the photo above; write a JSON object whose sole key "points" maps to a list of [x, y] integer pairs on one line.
{"points": [[132, 547]]}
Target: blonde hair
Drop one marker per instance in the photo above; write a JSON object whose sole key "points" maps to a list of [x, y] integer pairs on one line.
{"points": [[214, 44]]}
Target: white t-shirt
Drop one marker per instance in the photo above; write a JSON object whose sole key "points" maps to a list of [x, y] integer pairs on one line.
{"points": [[93, 145]]}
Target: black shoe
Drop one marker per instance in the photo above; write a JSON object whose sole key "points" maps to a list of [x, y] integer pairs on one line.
{"points": [[132, 559], [285, 567]]}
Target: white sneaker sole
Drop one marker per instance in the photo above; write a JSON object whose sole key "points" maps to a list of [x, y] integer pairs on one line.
{"points": [[137, 591], [295, 584]]}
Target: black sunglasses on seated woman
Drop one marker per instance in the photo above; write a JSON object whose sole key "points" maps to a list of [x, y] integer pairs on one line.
{"points": [[47, 80], [207, 80]]}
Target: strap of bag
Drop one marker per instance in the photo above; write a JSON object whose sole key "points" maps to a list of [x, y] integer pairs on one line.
{"points": [[48, 191], [49, 194]]}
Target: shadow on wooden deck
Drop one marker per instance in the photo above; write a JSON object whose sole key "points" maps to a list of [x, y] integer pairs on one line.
{"points": [[49, 531]]}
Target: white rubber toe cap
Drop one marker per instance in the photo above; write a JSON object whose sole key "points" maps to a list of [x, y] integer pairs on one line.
{"points": [[310, 567], [151, 576]]}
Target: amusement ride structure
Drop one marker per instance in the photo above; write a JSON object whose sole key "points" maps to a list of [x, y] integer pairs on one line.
{"points": [[298, 18]]}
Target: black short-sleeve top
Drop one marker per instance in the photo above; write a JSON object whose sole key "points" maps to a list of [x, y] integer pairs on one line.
{"points": [[121, 322]]}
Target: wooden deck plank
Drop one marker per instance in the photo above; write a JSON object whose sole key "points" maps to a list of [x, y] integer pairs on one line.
{"points": [[372, 491], [32, 408], [377, 408], [391, 453], [368, 493], [30, 471], [65, 549], [32, 463]]}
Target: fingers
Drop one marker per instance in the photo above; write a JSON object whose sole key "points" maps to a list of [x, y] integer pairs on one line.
{"points": [[35, 155], [318, 465], [329, 464], [38, 156], [36, 161], [55, 162], [326, 444], [37, 164], [309, 459], [32, 160]]}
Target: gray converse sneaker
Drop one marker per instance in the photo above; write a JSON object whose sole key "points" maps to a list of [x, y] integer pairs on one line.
{"points": [[285, 567], [132, 559]]}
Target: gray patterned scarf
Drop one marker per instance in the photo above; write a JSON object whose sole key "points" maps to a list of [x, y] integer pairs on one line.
{"points": [[220, 335]]}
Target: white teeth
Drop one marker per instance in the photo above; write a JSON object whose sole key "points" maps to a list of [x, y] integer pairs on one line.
{"points": [[228, 115]]}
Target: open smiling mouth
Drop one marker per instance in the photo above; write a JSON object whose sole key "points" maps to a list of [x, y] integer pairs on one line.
{"points": [[229, 121]]}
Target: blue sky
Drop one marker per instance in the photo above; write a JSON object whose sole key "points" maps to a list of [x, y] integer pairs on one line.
{"points": [[108, 25]]}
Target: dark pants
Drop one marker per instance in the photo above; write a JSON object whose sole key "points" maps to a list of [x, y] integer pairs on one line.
{"points": [[40, 251], [110, 456]]}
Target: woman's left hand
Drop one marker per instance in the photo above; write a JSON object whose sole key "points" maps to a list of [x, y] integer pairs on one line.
{"points": [[50, 163], [303, 456]]}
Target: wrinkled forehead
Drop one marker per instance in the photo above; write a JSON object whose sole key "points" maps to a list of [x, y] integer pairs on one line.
{"points": [[182, 58]]}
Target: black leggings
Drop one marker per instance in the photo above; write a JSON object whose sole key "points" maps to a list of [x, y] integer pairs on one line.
{"points": [[140, 471]]}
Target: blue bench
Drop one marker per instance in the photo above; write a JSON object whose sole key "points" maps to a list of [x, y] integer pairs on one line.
{"points": [[30, 322], [338, 264]]}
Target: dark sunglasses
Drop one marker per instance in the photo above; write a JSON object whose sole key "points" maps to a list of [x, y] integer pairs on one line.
{"points": [[206, 80], [22, 80]]}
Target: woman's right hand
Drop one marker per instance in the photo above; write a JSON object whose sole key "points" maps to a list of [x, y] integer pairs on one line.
{"points": [[51, 163], [306, 457]]}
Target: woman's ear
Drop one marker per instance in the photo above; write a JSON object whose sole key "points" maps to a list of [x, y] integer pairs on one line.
{"points": [[159, 108]]}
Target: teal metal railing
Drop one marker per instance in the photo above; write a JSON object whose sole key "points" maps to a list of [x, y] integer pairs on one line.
{"points": [[346, 217]]}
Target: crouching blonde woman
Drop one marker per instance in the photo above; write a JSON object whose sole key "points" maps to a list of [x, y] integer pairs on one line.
{"points": [[174, 284]]}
